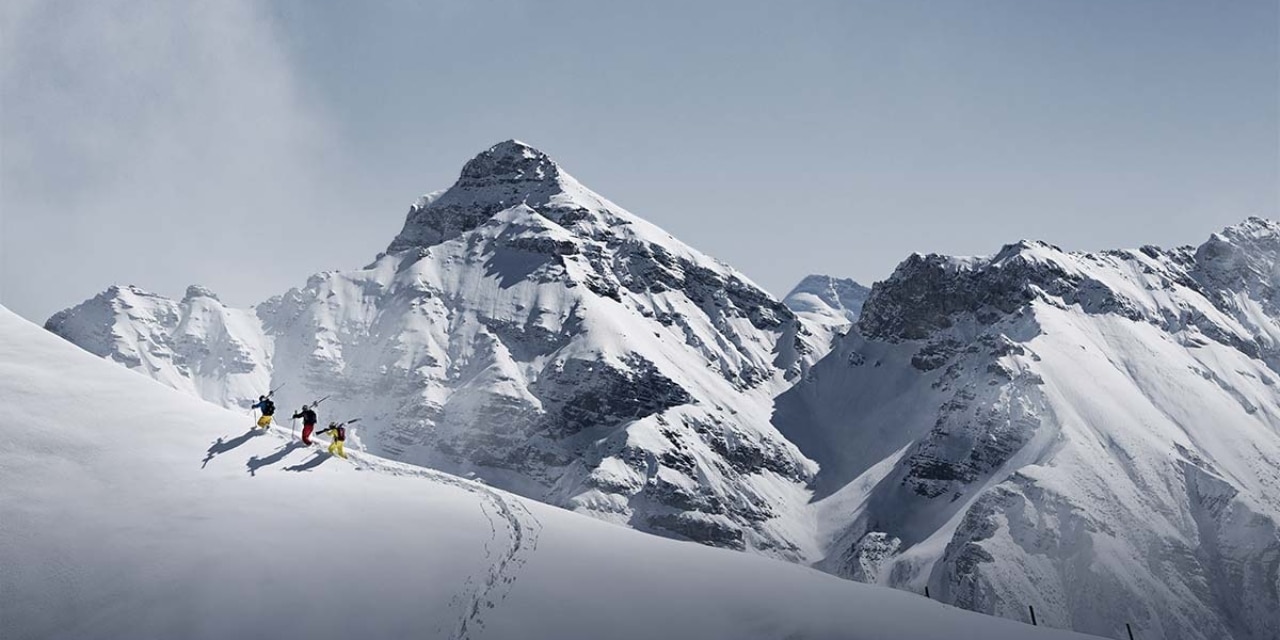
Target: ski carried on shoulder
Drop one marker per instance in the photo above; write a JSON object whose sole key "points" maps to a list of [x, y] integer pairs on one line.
{"points": [[337, 432], [268, 395]]}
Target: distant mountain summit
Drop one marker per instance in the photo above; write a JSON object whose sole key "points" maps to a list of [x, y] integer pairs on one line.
{"points": [[507, 174], [827, 295], [830, 305]]}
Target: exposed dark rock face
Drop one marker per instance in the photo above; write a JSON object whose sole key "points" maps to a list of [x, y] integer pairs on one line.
{"points": [[706, 531], [582, 394]]}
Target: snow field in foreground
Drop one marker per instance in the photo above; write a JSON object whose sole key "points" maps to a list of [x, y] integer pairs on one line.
{"points": [[113, 525]]}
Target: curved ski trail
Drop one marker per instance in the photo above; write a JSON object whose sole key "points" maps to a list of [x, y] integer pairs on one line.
{"points": [[513, 537]]}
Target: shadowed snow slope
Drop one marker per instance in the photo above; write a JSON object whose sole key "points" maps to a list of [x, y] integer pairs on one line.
{"points": [[128, 510]]}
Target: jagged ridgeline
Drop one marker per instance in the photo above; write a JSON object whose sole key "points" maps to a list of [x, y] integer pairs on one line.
{"points": [[528, 330]]}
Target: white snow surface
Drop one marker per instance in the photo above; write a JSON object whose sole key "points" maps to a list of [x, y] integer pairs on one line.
{"points": [[128, 510]]}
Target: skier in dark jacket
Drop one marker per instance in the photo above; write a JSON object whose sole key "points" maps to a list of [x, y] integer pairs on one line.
{"points": [[268, 409], [308, 416]]}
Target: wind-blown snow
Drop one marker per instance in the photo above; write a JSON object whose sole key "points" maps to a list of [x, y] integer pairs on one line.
{"points": [[128, 510]]}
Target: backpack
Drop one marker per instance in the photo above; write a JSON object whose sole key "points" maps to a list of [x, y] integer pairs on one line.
{"points": [[268, 407], [341, 433]]}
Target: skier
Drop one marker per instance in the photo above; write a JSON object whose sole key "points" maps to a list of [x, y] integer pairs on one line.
{"points": [[339, 434], [268, 409], [308, 416]]}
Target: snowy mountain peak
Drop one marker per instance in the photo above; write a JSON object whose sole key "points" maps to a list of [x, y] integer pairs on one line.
{"points": [[511, 160], [1244, 256], [196, 291], [843, 294], [119, 291], [1253, 227], [1026, 250], [829, 304], [505, 175]]}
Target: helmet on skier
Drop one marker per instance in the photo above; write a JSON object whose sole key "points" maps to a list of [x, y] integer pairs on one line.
{"points": [[261, 398]]}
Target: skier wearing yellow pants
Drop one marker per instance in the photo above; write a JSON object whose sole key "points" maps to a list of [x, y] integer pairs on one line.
{"points": [[339, 435], [268, 409]]}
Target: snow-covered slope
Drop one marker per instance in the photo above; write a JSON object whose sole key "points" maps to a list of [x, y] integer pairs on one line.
{"points": [[830, 305], [1094, 434], [128, 510], [526, 329]]}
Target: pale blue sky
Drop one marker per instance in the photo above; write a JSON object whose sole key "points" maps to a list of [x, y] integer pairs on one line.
{"points": [[246, 145]]}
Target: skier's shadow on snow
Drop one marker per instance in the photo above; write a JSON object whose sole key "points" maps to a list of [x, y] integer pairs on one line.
{"points": [[256, 463], [315, 461], [221, 446]]}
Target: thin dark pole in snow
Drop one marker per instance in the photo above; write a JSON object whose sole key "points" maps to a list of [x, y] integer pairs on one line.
{"points": [[1129, 629], [1033, 615], [926, 591]]}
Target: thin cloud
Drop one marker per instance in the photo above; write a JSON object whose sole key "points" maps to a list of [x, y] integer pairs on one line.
{"points": [[140, 135]]}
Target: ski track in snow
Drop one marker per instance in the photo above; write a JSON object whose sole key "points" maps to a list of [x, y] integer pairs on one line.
{"points": [[513, 538]]}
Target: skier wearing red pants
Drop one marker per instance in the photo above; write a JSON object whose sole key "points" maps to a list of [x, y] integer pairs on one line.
{"points": [[308, 416]]}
